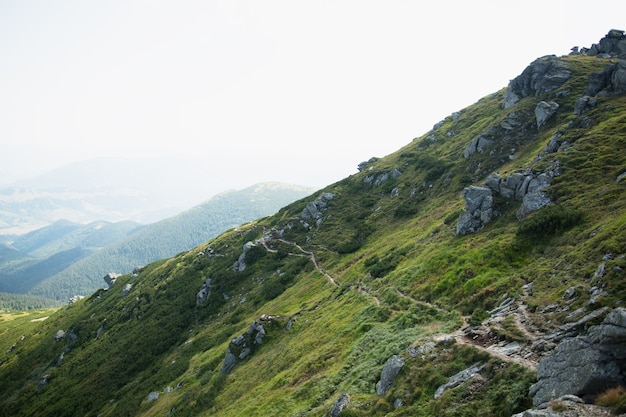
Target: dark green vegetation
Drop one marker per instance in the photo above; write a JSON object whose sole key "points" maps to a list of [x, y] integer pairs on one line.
{"points": [[66, 259], [382, 271]]}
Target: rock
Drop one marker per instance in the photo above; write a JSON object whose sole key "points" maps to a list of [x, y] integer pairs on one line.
{"points": [[613, 44], [110, 278], [59, 335], [389, 374], [543, 75], [478, 145], [126, 289], [240, 263], [544, 111], [229, 362], [314, 209], [585, 365], [204, 292], [339, 405], [242, 346], [153, 396], [364, 164], [478, 210], [459, 378], [610, 82], [583, 104]]}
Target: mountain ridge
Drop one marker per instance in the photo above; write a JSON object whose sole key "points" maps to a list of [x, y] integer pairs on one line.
{"points": [[365, 298]]}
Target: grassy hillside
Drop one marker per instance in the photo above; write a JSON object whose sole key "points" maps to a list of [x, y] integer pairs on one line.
{"points": [[368, 268]]}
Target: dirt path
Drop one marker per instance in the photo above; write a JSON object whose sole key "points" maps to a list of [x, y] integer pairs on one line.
{"points": [[304, 253]]}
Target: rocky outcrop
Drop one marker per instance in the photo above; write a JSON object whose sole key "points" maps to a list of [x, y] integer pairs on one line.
{"points": [[243, 346], [459, 378], [314, 209], [478, 145], [586, 364], [612, 45], [544, 111], [389, 374], [380, 179], [339, 405], [240, 263], [478, 210], [204, 292], [543, 75], [528, 188], [110, 278], [610, 82]]}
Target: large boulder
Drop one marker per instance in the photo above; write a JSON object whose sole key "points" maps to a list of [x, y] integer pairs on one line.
{"points": [[543, 75], [478, 210], [389, 374], [586, 364], [544, 111], [610, 82]]}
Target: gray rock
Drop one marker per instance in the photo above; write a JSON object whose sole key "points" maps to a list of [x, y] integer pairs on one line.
{"points": [[229, 362], [478, 210], [110, 278], [543, 75], [459, 378], [59, 335], [204, 292], [153, 396], [544, 111], [240, 263], [126, 289], [583, 104], [585, 365], [478, 145], [340, 404], [389, 374]]}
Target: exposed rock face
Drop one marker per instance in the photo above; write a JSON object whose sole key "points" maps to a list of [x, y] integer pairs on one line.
{"points": [[389, 374], [204, 292], [59, 335], [242, 346], [527, 188], [543, 75], [126, 289], [610, 82], [110, 278], [478, 210], [613, 44], [240, 264], [315, 209], [459, 378], [478, 144], [380, 179], [585, 365], [339, 405], [544, 111]]}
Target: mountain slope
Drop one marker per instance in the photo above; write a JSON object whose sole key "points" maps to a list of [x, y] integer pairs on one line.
{"points": [[169, 237], [509, 216]]}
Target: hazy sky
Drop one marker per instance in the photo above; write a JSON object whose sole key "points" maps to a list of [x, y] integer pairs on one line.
{"points": [[291, 91]]}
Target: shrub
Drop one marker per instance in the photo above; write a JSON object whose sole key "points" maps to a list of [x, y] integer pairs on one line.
{"points": [[613, 398], [548, 221]]}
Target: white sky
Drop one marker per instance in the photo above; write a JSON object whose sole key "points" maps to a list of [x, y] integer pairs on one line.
{"points": [[291, 91]]}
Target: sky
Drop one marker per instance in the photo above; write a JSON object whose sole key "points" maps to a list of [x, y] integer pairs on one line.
{"points": [[249, 91]]}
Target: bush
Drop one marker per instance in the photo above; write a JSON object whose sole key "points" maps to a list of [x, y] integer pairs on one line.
{"points": [[548, 221], [613, 398]]}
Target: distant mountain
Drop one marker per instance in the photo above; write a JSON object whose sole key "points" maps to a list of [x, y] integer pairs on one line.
{"points": [[86, 253], [111, 189]]}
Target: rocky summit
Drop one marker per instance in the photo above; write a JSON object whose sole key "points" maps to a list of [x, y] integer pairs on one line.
{"points": [[478, 271]]}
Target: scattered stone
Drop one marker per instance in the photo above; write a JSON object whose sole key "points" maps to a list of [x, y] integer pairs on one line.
{"points": [[389, 374], [339, 405], [153, 396], [204, 292], [459, 378], [126, 289], [59, 335]]}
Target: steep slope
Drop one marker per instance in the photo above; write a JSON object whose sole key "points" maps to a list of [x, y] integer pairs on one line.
{"points": [[430, 283]]}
